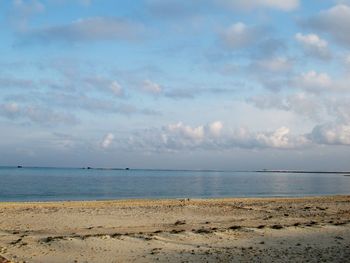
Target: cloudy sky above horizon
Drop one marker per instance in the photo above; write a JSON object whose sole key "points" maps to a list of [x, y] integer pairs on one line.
{"points": [[202, 84]]}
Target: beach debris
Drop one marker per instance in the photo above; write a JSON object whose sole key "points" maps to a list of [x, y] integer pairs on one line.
{"points": [[116, 235], [234, 227], [155, 250], [276, 226], [16, 241], [4, 260], [203, 231], [177, 231], [180, 222], [339, 223], [48, 239], [311, 223]]}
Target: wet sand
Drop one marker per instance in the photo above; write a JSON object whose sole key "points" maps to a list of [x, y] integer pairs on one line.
{"points": [[314, 229]]}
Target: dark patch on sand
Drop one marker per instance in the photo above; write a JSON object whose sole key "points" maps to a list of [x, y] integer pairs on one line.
{"points": [[276, 226], [234, 227]]}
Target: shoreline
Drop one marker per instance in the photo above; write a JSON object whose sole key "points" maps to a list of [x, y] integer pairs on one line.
{"points": [[177, 230], [150, 200]]}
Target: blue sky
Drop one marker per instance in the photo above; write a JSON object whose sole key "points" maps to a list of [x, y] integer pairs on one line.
{"points": [[211, 84]]}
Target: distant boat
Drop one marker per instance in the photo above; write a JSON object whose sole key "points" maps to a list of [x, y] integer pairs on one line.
{"points": [[19, 166], [127, 168]]}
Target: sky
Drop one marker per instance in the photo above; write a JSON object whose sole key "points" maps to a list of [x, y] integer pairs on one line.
{"points": [[175, 84]]}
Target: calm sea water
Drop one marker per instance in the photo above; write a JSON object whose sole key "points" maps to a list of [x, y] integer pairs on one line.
{"points": [[46, 184]]}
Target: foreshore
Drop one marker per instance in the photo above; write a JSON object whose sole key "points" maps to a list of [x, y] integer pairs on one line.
{"points": [[309, 229]]}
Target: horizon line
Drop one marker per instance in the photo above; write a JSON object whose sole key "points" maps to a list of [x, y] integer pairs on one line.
{"points": [[171, 169]]}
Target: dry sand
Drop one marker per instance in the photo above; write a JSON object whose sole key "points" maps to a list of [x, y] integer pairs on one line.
{"points": [[313, 229]]}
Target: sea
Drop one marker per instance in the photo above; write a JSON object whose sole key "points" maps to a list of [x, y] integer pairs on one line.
{"points": [[58, 184]]}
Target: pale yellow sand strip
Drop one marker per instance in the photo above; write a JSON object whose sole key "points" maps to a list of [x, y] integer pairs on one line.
{"points": [[214, 230]]}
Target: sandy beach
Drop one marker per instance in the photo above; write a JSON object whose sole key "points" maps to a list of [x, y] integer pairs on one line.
{"points": [[313, 229]]}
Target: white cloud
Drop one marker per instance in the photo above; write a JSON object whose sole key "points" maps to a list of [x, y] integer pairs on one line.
{"points": [[9, 82], [314, 45], [240, 35], [281, 138], [306, 105], [302, 104], [347, 60], [335, 22], [10, 109], [331, 134], [107, 140], [36, 114], [191, 93], [88, 29], [339, 108], [28, 7], [313, 81], [23, 10], [186, 131], [311, 40], [272, 72], [116, 88], [284, 5], [277, 139], [275, 64], [271, 101], [215, 128], [211, 136], [151, 87], [104, 84], [316, 107]]}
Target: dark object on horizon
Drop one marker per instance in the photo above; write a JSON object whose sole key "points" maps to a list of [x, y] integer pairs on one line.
{"points": [[19, 166], [89, 168], [127, 168]]}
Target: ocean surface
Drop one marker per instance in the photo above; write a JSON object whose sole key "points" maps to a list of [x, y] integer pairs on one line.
{"points": [[48, 184]]}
